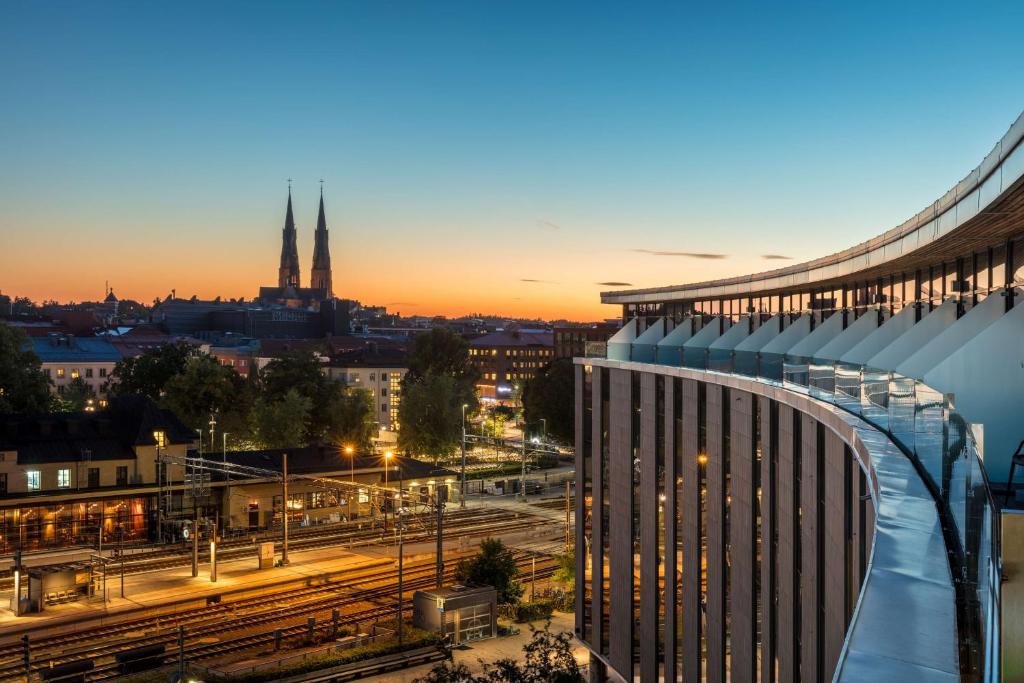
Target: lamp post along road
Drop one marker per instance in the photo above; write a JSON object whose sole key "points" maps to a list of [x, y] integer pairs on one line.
{"points": [[462, 486]]}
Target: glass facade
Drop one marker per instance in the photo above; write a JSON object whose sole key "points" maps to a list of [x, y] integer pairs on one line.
{"points": [[76, 523]]}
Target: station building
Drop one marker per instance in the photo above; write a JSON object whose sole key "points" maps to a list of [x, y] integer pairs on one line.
{"points": [[118, 475], [789, 475], [65, 478]]}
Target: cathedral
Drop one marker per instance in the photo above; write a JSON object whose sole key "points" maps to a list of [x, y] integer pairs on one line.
{"points": [[289, 290]]}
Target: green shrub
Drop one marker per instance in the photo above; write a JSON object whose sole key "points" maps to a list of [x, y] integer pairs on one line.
{"points": [[532, 611]]}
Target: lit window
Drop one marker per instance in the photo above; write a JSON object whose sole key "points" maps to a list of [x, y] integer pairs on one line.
{"points": [[161, 439], [75, 374], [63, 479], [60, 373], [33, 477]]}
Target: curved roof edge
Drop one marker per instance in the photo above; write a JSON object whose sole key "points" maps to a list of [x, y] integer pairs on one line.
{"points": [[983, 186]]}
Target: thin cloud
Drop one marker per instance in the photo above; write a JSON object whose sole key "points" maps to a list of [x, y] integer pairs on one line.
{"points": [[614, 284], [776, 257], [539, 282], [686, 254], [548, 225]]}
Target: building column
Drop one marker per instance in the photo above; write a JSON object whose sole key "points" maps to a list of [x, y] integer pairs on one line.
{"points": [[672, 491], [787, 506], [580, 482], [597, 503], [649, 589], [742, 540], [811, 564], [620, 492], [837, 504], [689, 517], [769, 457], [716, 511]]}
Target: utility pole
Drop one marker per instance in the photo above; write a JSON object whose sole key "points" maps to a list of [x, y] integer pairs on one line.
{"points": [[227, 475], [401, 554], [159, 497], [213, 554], [440, 538], [522, 474], [284, 530], [181, 653], [195, 543], [567, 525]]}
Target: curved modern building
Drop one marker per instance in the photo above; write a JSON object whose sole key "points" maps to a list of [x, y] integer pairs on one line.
{"points": [[786, 475]]}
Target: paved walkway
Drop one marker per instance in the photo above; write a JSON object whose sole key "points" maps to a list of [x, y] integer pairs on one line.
{"points": [[510, 647]]}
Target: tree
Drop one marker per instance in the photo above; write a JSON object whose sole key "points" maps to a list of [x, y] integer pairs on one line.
{"points": [[566, 572], [547, 658], [494, 565], [430, 417], [439, 351], [204, 388], [24, 387], [549, 395], [351, 418], [281, 423], [76, 396], [149, 373], [303, 372]]}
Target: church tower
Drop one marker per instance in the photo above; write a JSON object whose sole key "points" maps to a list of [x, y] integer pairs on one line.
{"points": [[321, 273], [288, 273]]}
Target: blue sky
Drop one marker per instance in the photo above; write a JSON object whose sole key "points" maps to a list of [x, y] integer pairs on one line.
{"points": [[469, 147]]}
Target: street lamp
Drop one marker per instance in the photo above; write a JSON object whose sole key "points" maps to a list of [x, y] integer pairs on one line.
{"points": [[462, 488], [351, 452]]}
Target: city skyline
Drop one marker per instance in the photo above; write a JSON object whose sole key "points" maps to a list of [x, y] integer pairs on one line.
{"points": [[478, 160]]}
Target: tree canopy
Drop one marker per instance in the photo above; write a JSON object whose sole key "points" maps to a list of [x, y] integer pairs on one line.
{"points": [[149, 373], [549, 395], [281, 423], [205, 388], [440, 380], [494, 565], [24, 387]]}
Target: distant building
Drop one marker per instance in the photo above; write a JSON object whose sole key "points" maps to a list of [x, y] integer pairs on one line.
{"points": [[506, 359], [66, 358], [379, 368], [289, 290], [572, 342]]}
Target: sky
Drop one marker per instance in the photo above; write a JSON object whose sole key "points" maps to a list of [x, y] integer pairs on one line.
{"points": [[494, 157]]}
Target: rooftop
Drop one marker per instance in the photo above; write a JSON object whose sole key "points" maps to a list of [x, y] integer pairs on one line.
{"points": [[525, 338], [109, 434], [57, 348]]}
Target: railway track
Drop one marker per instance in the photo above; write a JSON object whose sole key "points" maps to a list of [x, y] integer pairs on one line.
{"points": [[208, 625], [305, 539]]}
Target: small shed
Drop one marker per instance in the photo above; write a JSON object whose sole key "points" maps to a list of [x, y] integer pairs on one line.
{"points": [[463, 613]]}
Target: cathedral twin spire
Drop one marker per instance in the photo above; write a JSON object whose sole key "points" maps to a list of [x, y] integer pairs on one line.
{"points": [[288, 273]]}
